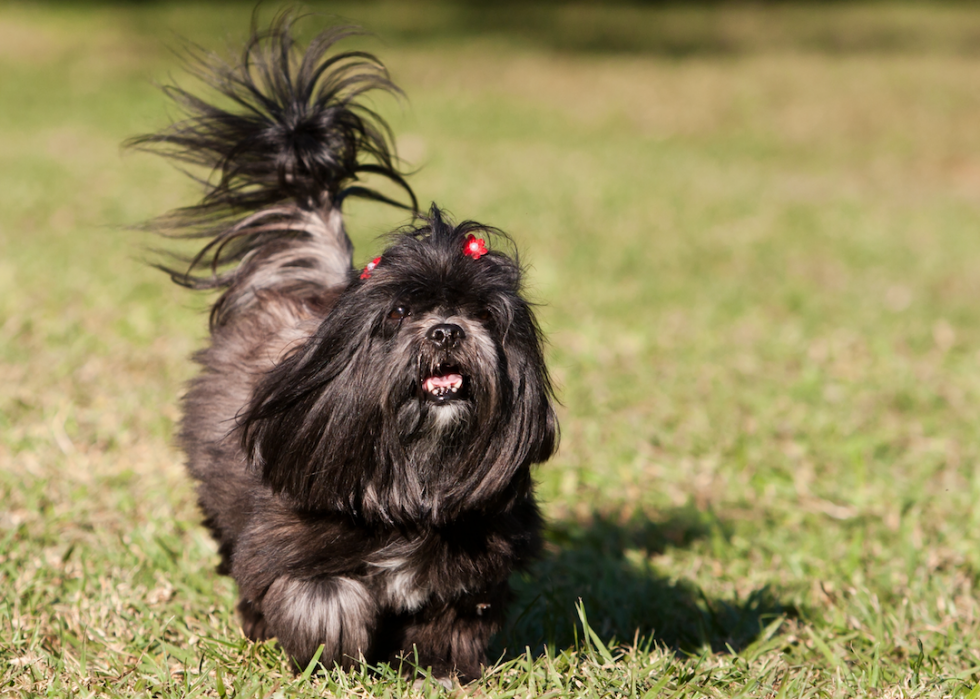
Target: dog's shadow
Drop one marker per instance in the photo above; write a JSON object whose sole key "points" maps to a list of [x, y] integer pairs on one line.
{"points": [[607, 566]]}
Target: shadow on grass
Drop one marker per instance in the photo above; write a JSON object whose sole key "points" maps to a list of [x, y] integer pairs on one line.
{"points": [[607, 566]]}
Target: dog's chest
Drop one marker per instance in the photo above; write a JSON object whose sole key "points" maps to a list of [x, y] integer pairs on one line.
{"points": [[401, 585], [399, 576], [402, 575]]}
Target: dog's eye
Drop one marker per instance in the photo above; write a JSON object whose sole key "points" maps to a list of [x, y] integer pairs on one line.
{"points": [[484, 314], [398, 312]]}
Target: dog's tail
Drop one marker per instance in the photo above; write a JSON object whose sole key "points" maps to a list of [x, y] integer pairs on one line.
{"points": [[286, 144]]}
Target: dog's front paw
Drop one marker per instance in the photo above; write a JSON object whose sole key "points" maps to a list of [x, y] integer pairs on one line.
{"points": [[337, 613]]}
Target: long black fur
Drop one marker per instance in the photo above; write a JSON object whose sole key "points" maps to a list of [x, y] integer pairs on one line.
{"points": [[362, 442]]}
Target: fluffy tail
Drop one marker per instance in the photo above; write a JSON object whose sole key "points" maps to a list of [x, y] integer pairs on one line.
{"points": [[284, 150]]}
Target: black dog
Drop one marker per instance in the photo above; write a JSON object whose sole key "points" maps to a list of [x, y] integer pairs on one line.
{"points": [[362, 439]]}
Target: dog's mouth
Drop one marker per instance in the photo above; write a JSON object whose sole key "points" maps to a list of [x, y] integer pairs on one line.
{"points": [[446, 383]]}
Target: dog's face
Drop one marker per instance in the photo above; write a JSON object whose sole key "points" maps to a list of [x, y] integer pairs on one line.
{"points": [[450, 367], [422, 396]]}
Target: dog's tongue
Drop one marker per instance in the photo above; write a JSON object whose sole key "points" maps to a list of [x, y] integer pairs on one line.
{"points": [[449, 381]]}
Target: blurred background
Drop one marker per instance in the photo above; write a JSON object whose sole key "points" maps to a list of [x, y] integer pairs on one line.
{"points": [[753, 230]]}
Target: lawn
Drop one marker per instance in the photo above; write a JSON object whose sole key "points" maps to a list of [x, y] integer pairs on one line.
{"points": [[754, 235]]}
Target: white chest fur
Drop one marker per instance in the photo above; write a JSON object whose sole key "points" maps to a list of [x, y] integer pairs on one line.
{"points": [[401, 584]]}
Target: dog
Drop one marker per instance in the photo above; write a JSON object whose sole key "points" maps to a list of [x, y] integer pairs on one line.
{"points": [[362, 439]]}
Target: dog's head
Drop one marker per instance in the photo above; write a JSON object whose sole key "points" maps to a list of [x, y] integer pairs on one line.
{"points": [[422, 396]]}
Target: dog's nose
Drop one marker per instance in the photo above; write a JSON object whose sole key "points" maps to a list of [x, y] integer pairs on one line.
{"points": [[445, 335]]}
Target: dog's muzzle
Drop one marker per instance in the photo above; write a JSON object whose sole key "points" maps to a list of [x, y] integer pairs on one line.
{"points": [[445, 382]]}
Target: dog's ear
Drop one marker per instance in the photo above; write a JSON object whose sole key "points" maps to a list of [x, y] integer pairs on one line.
{"points": [[533, 423], [310, 428]]}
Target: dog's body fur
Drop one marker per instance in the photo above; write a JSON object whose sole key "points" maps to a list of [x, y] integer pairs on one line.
{"points": [[362, 442]]}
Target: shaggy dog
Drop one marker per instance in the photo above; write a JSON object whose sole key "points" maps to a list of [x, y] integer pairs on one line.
{"points": [[362, 439]]}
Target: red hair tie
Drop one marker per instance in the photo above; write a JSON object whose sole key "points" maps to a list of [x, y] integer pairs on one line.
{"points": [[474, 247], [369, 267]]}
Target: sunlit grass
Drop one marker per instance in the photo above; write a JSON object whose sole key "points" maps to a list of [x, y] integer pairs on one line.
{"points": [[755, 236]]}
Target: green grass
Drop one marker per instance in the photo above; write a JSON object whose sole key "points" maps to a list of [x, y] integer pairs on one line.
{"points": [[755, 235]]}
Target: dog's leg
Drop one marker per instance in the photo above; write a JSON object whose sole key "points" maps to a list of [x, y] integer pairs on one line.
{"points": [[337, 612], [452, 637], [253, 621]]}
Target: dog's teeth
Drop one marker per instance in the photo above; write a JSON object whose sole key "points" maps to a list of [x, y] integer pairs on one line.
{"points": [[443, 385]]}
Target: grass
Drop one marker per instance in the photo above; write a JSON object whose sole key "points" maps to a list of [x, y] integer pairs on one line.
{"points": [[755, 235]]}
